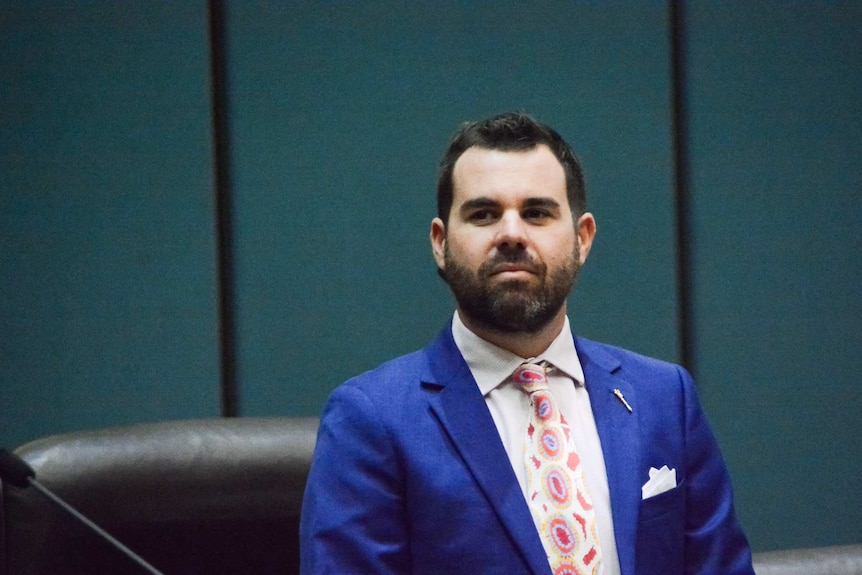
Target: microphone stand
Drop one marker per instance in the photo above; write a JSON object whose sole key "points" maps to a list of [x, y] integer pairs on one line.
{"points": [[18, 473], [81, 517]]}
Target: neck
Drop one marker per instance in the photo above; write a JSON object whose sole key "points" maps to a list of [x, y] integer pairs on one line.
{"points": [[523, 344]]}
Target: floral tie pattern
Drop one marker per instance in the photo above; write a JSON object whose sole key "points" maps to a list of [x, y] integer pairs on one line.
{"points": [[556, 489]]}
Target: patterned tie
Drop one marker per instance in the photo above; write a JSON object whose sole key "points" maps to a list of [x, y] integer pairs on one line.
{"points": [[556, 490]]}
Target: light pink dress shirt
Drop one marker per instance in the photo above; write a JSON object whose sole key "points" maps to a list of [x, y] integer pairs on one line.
{"points": [[492, 369]]}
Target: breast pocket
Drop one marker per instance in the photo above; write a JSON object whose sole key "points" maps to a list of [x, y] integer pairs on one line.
{"points": [[667, 503], [661, 533]]}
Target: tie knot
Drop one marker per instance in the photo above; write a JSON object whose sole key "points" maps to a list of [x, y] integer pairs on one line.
{"points": [[531, 377]]}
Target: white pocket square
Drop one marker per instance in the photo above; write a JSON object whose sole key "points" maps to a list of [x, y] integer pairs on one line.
{"points": [[660, 480]]}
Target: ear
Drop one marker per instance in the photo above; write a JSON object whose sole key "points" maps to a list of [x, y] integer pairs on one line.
{"points": [[586, 233], [438, 241]]}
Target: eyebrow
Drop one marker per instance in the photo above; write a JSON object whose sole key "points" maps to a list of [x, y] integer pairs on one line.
{"points": [[484, 203], [478, 203], [542, 203]]}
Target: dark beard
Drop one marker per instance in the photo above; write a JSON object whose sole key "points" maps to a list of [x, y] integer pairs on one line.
{"points": [[510, 306]]}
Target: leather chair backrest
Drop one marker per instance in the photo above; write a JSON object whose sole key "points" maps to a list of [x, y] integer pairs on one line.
{"points": [[835, 560], [190, 497], [208, 497]]}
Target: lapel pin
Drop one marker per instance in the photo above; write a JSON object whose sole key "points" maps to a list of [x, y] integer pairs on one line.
{"points": [[619, 395]]}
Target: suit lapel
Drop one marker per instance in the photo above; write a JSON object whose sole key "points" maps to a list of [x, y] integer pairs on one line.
{"points": [[461, 410], [620, 440]]}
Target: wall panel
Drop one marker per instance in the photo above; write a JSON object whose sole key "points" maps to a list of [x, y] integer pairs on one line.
{"points": [[107, 302], [340, 112], [777, 170]]}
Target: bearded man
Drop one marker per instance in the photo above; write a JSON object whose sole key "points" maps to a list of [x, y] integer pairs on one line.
{"points": [[509, 445]]}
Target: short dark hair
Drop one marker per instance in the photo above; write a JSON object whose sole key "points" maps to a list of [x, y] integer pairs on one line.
{"points": [[510, 132]]}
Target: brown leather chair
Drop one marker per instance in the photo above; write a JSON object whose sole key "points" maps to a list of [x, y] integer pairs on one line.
{"points": [[203, 497], [836, 560], [190, 497]]}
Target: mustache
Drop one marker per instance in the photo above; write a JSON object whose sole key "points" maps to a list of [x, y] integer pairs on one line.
{"points": [[502, 259]]}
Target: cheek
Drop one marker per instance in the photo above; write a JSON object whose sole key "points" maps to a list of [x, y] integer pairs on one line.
{"points": [[469, 249], [559, 251]]}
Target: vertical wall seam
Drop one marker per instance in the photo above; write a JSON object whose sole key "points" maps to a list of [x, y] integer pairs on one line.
{"points": [[681, 184], [223, 211]]}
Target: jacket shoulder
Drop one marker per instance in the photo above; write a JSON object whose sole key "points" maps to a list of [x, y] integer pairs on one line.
{"points": [[409, 367], [613, 358]]}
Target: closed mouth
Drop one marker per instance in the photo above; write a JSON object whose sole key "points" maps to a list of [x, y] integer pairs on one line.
{"points": [[513, 268]]}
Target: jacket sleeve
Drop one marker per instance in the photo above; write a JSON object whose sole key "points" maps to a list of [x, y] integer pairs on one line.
{"points": [[353, 518], [714, 541]]}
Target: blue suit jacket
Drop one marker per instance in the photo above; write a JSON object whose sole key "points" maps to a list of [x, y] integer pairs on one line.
{"points": [[410, 475]]}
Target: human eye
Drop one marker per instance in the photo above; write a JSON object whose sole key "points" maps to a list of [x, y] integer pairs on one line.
{"points": [[480, 211], [536, 214], [540, 211], [481, 216]]}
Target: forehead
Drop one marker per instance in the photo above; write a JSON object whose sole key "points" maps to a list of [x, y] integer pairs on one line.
{"points": [[508, 176]]}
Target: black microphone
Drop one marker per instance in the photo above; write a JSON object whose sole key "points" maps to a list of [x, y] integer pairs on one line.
{"points": [[17, 472]]}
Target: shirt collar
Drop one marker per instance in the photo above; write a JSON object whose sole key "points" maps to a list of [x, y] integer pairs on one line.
{"points": [[492, 365]]}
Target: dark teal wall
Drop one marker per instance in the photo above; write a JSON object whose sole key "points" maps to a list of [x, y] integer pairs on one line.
{"points": [[341, 112], [338, 113], [107, 298], [776, 148]]}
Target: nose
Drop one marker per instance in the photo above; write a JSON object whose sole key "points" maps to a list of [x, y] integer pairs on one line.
{"points": [[512, 232]]}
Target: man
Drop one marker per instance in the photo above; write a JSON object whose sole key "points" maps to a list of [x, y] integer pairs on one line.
{"points": [[508, 445]]}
